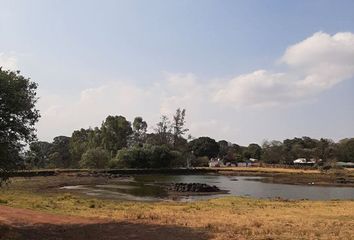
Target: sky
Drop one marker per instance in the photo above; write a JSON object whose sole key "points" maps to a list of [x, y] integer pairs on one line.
{"points": [[246, 71]]}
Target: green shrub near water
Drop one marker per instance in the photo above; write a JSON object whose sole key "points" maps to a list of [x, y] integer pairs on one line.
{"points": [[148, 156], [95, 158]]}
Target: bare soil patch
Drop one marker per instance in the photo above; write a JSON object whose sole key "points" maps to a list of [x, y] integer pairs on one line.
{"points": [[23, 224]]}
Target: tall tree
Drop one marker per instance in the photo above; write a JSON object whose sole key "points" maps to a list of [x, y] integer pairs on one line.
{"points": [[273, 152], [18, 116], [253, 151], [139, 131], [61, 156], [79, 143], [115, 131], [38, 155], [346, 150], [163, 131], [178, 125]]}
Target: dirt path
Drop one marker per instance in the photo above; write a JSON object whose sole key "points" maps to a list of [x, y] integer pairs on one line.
{"points": [[23, 224]]}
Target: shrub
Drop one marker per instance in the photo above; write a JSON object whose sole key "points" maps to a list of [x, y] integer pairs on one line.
{"points": [[95, 158], [148, 156]]}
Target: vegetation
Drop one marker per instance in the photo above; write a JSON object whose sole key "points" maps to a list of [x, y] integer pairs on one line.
{"points": [[130, 146], [121, 143], [95, 158], [18, 116], [224, 218]]}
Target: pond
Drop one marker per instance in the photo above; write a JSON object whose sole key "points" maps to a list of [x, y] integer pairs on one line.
{"points": [[152, 188]]}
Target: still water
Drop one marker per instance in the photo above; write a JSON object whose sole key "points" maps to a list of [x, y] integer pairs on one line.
{"points": [[152, 188]]}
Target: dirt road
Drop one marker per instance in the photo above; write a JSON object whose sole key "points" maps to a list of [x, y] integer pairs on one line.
{"points": [[23, 224]]}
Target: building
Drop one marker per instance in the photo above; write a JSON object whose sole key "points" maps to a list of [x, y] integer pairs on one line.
{"points": [[304, 161]]}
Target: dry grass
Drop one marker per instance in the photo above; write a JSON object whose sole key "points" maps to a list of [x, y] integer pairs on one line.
{"points": [[225, 218]]}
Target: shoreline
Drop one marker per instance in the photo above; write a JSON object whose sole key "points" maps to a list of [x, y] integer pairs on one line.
{"points": [[336, 178]]}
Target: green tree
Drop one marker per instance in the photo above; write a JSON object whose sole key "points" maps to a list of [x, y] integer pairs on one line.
{"points": [[148, 156], [79, 144], [346, 150], [223, 149], [326, 150], [38, 155], [115, 131], [253, 151], [273, 152], [178, 125], [61, 156], [163, 131], [138, 136], [95, 158], [18, 116], [204, 146]]}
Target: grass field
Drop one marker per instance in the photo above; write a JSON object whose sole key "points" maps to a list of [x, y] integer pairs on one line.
{"points": [[225, 218]]}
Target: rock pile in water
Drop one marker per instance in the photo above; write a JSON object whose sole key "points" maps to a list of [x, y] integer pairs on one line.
{"points": [[192, 187]]}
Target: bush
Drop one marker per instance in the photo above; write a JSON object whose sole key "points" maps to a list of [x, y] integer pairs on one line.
{"points": [[148, 156], [95, 158], [200, 162]]}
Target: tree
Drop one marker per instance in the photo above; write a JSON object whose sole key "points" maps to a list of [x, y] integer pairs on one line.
{"points": [[139, 131], [61, 156], [178, 125], [163, 131], [18, 116], [326, 149], [115, 131], [148, 156], [253, 151], [79, 143], [346, 150], [96, 158], [223, 148], [38, 155], [204, 146], [272, 152]]}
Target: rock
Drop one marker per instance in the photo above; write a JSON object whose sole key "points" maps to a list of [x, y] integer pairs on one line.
{"points": [[193, 187]]}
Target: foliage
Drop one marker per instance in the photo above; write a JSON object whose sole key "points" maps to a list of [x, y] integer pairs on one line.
{"points": [[95, 158], [60, 156], [223, 148], [346, 150], [204, 146], [115, 131], [200, 162], [80, 143], [163, 131], [39, 154], [272, 152], [138, 136], [148, 156], [178, 125], [252, 151], [18, 116]]}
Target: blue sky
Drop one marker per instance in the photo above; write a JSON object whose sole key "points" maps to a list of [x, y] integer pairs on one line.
{"points": [[245, 70]]}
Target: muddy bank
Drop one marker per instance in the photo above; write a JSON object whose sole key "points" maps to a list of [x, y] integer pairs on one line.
{"points": [[341, 178]]}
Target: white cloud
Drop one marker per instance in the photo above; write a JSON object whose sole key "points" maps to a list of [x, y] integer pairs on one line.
{"points": [[312, 66], [8, 61]]}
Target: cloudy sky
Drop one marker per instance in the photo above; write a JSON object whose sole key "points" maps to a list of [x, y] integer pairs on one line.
{"points": [[245, 71]]}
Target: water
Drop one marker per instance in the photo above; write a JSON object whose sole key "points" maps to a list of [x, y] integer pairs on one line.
{"points": [[151, 188]]}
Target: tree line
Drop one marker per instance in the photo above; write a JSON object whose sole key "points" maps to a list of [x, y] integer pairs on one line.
{"points": [[119, 143]]}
